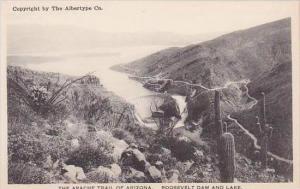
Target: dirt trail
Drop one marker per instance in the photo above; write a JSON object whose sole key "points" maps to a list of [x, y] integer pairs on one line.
{"points": [[255, 142], [254, 101]]}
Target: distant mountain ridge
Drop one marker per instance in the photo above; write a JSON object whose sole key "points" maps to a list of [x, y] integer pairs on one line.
{"points": [[261, 54], [33, 38], [241, 54]]}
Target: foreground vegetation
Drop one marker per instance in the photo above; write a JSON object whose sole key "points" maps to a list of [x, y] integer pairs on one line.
{"points": [[65, 129]]}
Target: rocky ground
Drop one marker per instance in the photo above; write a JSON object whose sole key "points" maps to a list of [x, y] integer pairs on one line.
{"points": [[87, 134]]}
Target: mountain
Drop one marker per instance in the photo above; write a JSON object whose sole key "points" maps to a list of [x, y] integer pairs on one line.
{"points": [[261, 54], [241, 54]]}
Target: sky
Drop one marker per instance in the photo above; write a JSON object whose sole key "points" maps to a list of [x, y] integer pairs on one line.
{"points": [[182, 17]]}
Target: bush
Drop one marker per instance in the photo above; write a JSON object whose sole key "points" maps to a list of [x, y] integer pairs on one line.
{"points": [[38, 95], [95, 108], [91, 154], [123, 135], [181, 149], [58, 147], [19, 173], [24, 148], [31, 144]]}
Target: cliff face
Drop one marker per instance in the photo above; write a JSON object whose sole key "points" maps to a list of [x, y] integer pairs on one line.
{"points": [[261, 54]]}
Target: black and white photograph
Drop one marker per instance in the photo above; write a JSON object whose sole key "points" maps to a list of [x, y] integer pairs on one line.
{"points": [[150, 92]]}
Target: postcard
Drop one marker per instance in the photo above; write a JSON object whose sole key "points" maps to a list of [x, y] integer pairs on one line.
{"points": [[149, 94]]}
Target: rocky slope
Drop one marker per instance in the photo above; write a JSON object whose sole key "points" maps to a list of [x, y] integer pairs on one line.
{"points": [[91, 136], [261, 54], [241, 54]]}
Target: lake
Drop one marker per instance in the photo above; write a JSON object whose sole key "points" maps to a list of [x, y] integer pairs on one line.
{"points": [[99, 62]]}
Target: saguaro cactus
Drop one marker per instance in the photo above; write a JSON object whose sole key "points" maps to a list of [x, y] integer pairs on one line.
{"points": [[226, 127], [226, 145], [218, 121], [265, 132], [226, 154], [263, 110]]}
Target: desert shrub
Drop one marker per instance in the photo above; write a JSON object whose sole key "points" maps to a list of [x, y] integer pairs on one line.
{"points": [[57, 147], [39, 96], [123, 135], [170, 108], [60, 113], [143, 135], [24, 147], [31, 144], [95, 108], [43, 94], [20, 173], [198, 105], [167, 159], [91, 154], [18, 112], [181, 149]]}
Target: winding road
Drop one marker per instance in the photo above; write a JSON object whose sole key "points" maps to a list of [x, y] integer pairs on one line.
{"points": [[254, 101]]}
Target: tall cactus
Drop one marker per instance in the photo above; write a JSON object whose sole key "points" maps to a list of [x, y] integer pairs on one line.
{"points": [[218, 121], [227, 155], [263, 110], [226, 127], [226, 145], [265, 132]]}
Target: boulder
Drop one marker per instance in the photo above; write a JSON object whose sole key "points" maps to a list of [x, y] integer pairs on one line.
{"points": [[166, 151], [184, 139], [73, 173], [134, 158], [174, 176], [139, 155], [105, 172], [133, 145], [159, 165], [136, 176], [119, 146], [116, 169], [154, 173]]}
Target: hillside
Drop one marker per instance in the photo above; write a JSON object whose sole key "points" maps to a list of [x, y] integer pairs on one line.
{"points": [[86, 134], [241, 54], [261, 54]]}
